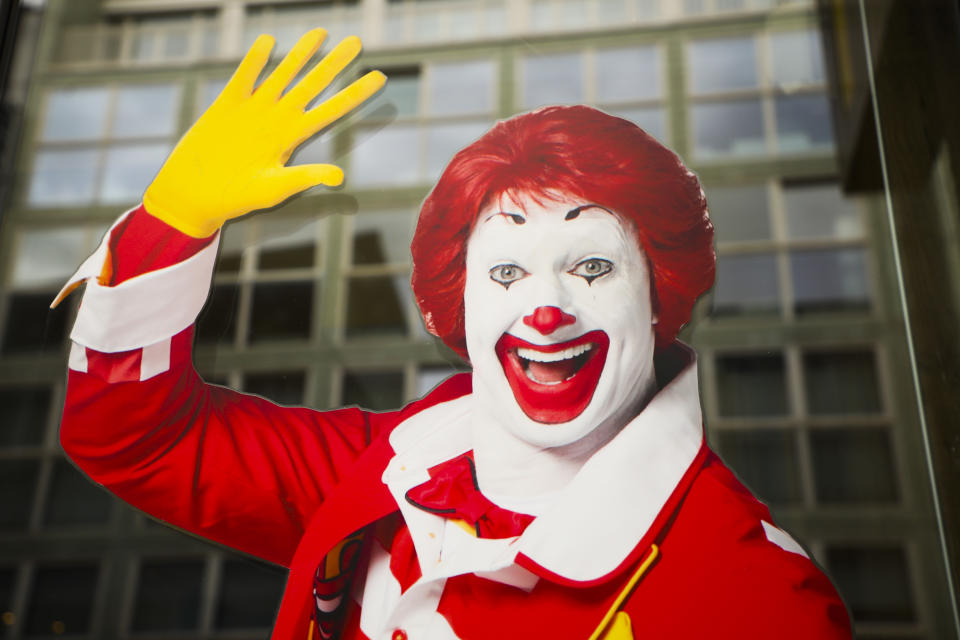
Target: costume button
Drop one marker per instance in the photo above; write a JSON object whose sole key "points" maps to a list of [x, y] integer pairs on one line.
{"points": [[399, 634]]}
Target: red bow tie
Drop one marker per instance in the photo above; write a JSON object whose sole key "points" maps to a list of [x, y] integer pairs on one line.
{"points": [[452, 492]]}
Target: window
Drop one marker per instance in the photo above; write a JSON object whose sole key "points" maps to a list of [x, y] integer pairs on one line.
{"points": [[73, 500], [286, 387], [249, 595], [25, 411], [376, 390], [766, 460], [168, 595], [18, 490], [61, 600], [287, 23], [416, 22], [874, 581]]}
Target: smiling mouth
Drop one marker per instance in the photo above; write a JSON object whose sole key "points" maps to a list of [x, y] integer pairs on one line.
{"points": [[553, 383]]}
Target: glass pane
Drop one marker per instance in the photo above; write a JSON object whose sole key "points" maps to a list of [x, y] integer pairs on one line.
{"points": [[841, 382], [129, 170], [233, 241], [146, 110], [874, 582], [765, 460], [379, 391], [628, 74], [168, 595], [18, 486], [23, 415], [47, 257], [64, 178], [728, 129], [209, 90], [281, 311], [31, 325], [726, 64], [388, 156], [216, 321], [61, 600], [740, 213], [445, 140], [382, 237], [746, 284], [291, 244], [76, 114], [376, 305], [653, 120], [74, 500], [820, 211], [8, 577], [552, 79], [282, 387], [249, 595], [400, 96], [430, 377], [797, 58], [751, 385], [829, 279], [803, 124], [853, 465], [461, 87]]}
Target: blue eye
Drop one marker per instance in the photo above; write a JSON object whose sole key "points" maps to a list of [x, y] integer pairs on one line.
{"points": [[592, 268], [507, 274]]}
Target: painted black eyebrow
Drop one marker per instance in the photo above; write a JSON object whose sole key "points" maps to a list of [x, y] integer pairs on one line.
{"points": [[573, 213]]}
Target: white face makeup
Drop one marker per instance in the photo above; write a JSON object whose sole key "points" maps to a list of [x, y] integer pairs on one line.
{"points": [[559, 321]]}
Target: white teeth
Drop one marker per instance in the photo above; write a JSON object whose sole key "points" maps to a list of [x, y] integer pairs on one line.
{"points": [[556, 356]]}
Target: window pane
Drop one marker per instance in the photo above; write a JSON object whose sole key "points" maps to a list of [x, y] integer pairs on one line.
{"points": [[553, 79], [751, 385], [281, 310], [382, 237], [728, 128], [249, 595], [234, 239], [286, 387], [839, 382], [765, 460], [217, 320], [76, 114], [430, 377], [63, 178], [628, 74], [8, 577], [376, 305], [445, 140], [61, 600], [23, 415], [209, 91], [74, 500], [373, 390], [400, 97], [874, 582], [388, 156], [129, 170], [726, 64], [803, 123], [18, 486], [739, 213], [853, 465], [653, 120], [461, 87], [146, 110], [291, 244], [797, 58], [820, 211], [168, 595], [47, 257], [829, 279], [31, 325], [746, 284]]}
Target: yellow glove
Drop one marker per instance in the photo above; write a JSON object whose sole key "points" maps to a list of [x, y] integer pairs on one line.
{"points": [[231, 161]]}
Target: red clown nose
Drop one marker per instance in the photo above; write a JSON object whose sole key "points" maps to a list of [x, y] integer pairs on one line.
{"points": [[546, 320]]}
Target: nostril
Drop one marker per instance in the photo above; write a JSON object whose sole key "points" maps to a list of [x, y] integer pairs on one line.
{"points": [[546, 320]]}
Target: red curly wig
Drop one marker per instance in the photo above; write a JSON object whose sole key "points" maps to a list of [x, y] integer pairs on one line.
{"points": [[584, 153]]}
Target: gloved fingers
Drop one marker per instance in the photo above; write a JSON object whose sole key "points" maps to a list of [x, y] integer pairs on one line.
{"points": [[303, 176], [290, 66], [342, 103], [320, 77], [241, 83]]}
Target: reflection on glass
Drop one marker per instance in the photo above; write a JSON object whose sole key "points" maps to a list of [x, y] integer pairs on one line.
{"points": [[388, 156], [840, 382], [47, 257], [376, 305], [31, 325], [249, 595], [765, 460], [61, 600], [168, 595], [874, 582], [461, 87], [552, 79], [23, 415], [803, 123], [444, 140], [281, 311], [820, 211], [128, 171], [628, 74], [145, 110], [430, 377], [291, 244], [739, 213], [733, 128], [726, 64], [63, 178], [282, 387], [653, 120], [76, 114], [18, 486], [751, 385], [382, 237], [746, 284], [73, 500], [853, 465], [797, 57], [829, 280], [377, 390], [216, 322]]}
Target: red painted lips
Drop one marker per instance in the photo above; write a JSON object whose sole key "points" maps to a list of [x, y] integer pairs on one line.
{"points": [[553, 383]]}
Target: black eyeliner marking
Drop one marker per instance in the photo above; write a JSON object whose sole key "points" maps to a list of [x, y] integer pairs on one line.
{"points": [[517, 218], [573, 213]]}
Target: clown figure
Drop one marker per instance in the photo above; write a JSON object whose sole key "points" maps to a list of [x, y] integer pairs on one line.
{"points": [[561, 489]]}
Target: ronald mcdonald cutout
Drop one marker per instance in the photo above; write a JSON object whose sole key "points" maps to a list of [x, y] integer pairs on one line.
{"points": [[562, 489]]}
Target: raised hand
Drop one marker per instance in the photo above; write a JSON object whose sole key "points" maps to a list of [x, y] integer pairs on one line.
{"points": [[233, 159]]}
